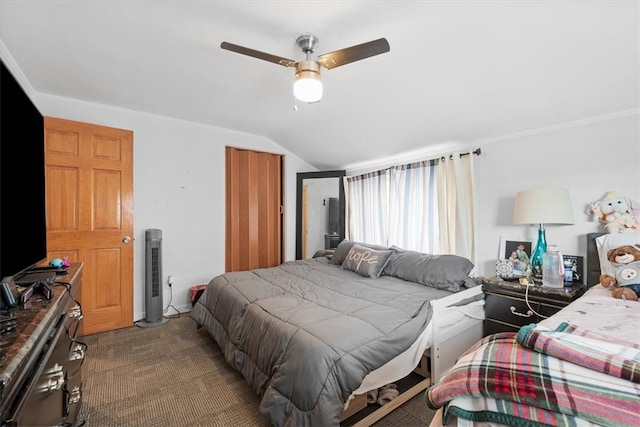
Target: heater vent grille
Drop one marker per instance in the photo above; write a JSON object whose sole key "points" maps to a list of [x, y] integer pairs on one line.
{"points": [[153, 276], [155, 272]]}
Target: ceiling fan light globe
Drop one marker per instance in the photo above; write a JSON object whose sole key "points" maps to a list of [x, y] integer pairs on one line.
{"points": [[308, 90], [308, 84]]}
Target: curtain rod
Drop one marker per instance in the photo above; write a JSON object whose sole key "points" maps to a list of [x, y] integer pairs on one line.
{"points": [[477, 152]]}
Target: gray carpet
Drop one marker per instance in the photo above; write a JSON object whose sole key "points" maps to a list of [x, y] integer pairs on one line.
{"points": [[175, 375]]}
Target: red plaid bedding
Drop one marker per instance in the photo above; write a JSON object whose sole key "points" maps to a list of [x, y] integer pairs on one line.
{"points": [[498, 367], [585, 348]]}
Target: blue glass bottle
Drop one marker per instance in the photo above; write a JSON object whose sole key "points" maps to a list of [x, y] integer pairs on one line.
{"points": [[538, 252]]}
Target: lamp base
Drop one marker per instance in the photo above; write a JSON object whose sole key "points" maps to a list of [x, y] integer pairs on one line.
{"points": [[536, 256]]}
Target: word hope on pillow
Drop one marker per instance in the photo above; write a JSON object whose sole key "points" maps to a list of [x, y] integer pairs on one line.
{"points": [[365, 261], [345, 246]]}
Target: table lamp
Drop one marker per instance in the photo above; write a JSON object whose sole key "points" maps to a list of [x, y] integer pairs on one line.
{"points": [[542, 206]]}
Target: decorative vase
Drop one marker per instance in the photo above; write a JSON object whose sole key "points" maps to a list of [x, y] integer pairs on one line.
{"points": [[538, 252]]}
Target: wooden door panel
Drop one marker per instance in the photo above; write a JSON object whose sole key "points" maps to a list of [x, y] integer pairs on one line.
{"points": [[107, 187], [253, 209], [103, 299], [62, 215], [269, 211], [62, 142], [107, 148], [89, 212]]}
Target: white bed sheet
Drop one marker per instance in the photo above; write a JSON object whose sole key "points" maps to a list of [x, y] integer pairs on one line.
{"points": [[598, 311]]}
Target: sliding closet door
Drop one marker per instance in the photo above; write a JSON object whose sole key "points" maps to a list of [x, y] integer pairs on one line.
{"points": [[253, 209]]}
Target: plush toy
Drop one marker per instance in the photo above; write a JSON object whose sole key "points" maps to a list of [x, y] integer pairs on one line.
{"points": [[60, 262], [626, 263], [618, 214]]}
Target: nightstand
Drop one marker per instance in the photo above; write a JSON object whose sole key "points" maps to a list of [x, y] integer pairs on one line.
{"points": [[506, 308]]}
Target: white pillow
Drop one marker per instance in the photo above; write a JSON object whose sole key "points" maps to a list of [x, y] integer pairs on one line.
{"points": [[609, 241]]}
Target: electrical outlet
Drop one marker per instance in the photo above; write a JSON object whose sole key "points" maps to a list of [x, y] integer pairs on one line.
{"points": [[170, 280]]}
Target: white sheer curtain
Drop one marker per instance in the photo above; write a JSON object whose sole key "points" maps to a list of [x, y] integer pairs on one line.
{"points": [[413, 216], [426, 206], [367, 207], [457, 206]]}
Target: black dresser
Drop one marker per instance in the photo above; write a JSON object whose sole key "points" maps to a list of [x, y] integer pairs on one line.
{"points": [[510, 305], [41, 357]]}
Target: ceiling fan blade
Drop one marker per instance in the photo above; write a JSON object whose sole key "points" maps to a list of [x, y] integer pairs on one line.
{"points": [[257, 54], [354, 53]]}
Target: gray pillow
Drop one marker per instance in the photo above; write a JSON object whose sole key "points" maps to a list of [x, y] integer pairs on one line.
{"points": [[366, 262], [345, 246], [448, 272]]}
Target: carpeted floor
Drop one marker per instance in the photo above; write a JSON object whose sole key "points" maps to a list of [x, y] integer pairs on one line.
{"points": [[175, 375]]}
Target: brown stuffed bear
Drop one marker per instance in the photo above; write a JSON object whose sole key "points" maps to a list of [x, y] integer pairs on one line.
{"points": [[626, 263]]}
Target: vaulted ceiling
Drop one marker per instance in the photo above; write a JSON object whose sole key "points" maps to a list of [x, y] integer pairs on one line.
{"points": [[458, 73]]}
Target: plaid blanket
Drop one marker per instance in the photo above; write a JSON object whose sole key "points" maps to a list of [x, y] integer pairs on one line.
{"points": [[585, 348], [503, 412], [498, 367]]}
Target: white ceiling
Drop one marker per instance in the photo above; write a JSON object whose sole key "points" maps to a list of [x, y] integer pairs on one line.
{"points": [[458, 73]]}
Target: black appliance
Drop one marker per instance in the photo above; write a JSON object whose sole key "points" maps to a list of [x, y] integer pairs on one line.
{"points": [[23, 239]]}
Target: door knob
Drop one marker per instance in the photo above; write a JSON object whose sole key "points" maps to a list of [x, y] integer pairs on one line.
{"points": [[126, 239]]}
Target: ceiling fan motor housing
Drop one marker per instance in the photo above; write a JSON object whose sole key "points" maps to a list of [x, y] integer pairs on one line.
{"points": [[307, 70], [307, 43]]}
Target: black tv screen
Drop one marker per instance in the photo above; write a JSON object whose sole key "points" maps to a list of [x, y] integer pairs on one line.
{"points": [[23, 238]]}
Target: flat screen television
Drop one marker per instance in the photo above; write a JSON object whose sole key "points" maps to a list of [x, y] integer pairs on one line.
{"points": [[23, 238]]}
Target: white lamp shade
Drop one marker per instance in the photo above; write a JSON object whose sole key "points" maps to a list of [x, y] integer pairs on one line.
{"points": [[308, 84], [543, 206]]}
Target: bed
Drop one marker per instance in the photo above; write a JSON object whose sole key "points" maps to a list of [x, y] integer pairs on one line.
{"points": [[579, 367], [312, 337]]}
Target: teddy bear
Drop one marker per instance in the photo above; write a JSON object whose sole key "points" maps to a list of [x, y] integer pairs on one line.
{"points": [[618, 214], [626, 263]]}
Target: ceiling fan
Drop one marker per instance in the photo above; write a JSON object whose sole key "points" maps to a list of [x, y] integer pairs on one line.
{"points": [[308, 84]]}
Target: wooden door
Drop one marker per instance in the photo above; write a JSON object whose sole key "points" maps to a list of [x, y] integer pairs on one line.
{"points": [[253, 209], [89, 193]]}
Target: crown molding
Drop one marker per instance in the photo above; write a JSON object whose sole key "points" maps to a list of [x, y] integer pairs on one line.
{"points": [[453, 146]]}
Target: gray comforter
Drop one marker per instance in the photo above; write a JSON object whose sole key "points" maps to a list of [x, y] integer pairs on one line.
{"points": [[306, 333]]}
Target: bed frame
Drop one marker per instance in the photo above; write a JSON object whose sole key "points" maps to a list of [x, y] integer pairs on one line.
{"points": [[449, 342], [593, 261]]}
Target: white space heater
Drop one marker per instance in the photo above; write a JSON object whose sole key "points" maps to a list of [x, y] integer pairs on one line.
{"points": [[153, 280]]}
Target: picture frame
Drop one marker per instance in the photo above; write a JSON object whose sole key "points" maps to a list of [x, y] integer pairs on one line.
{"points": [[509, 244], [515, 250], [577, 265]]}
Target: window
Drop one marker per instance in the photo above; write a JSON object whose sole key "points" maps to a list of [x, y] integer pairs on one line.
{"points": [[427, 206]]}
